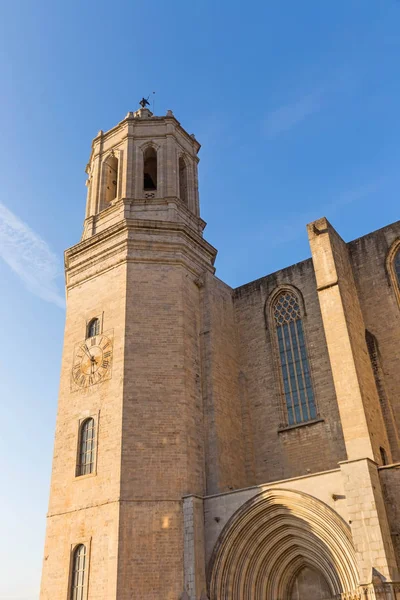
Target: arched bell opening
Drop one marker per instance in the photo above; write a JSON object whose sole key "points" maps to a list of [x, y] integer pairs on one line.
{"points": [[283, 545], [183, 180], [150, 169], [110, 178]]}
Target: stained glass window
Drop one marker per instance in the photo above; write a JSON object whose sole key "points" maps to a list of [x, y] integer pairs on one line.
{"points": [[78, 573], [296, 378], [93, 328], [397, 265], [87, 440]]}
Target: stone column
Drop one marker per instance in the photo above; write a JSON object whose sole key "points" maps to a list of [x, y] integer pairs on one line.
{"points": [[194, 549], [127, 168], [171, 165]]}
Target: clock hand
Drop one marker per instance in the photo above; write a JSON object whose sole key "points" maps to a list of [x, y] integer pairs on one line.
{"points": [[86, 351]]}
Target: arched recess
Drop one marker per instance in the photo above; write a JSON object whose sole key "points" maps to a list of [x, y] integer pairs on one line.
{"points": [[393, 267], [183, 180], [110, 179], [271, 539], [308, 583], [384, 401], [150, 168]]}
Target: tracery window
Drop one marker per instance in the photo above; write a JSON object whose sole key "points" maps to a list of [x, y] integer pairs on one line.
{"points": [[295, 370], [87, 441], [93, 328], [78, 575]]}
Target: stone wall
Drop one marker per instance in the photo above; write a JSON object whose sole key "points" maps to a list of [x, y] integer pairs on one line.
{"points": [[85, 509], [381, 313], [225, 442], [218, 509], [276, 447], [390, 481]]}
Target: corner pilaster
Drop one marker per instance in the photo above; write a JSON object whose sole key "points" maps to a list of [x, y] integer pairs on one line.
{"points": [[194, 548], [368, 521]]}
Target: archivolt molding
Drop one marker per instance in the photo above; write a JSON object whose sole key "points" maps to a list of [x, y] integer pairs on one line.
{"points": [[149, 144], [271, 538], [395, 247], [114, 153]]}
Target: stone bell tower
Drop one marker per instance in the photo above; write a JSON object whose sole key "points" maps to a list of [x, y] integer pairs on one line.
{"points": [[129, 434], [149, 159]]}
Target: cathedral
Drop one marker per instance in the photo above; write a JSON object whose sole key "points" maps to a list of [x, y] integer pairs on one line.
{"points": [[216, 443]]}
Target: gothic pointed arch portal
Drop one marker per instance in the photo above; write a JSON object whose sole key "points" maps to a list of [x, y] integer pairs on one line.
{"points": [[283, 545]]}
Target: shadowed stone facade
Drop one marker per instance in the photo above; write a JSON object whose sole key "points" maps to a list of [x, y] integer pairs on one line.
{"points": [[218, 443]]}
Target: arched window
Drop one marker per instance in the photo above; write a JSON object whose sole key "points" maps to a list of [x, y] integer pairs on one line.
{"points": [[396, 264], [93, 328], [87, 449], [183, 180], [110, 178], [384, 457], [295, 370], [78, 575], [150, 169]]}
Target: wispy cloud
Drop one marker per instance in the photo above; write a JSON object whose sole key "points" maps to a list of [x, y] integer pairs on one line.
{"points": [[287, 116], [321, 93], [292, 226], [29, 257]]}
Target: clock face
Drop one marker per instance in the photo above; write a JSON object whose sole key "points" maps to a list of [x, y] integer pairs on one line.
{"points": [[92, 361]]}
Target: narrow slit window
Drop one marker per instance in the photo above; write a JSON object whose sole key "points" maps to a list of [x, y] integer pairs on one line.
{"points": [[86, 454], [93, 328], [78, 573], [295, 370]]}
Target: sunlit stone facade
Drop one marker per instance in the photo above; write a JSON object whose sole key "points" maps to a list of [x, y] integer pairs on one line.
{"points": [[218, 443]]}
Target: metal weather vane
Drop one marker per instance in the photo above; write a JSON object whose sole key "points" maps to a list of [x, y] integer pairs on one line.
{"points": [[144, 102]]}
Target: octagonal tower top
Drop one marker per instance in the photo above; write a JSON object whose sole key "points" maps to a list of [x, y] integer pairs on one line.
{"points": [[144, 158]]}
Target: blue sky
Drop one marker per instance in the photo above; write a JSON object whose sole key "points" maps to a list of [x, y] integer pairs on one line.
{"points": [[296, 105]]}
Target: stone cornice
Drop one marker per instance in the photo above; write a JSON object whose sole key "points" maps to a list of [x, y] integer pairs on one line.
{"points": [[134, 240], [139, 224], [130, 118], [152, 204]]}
